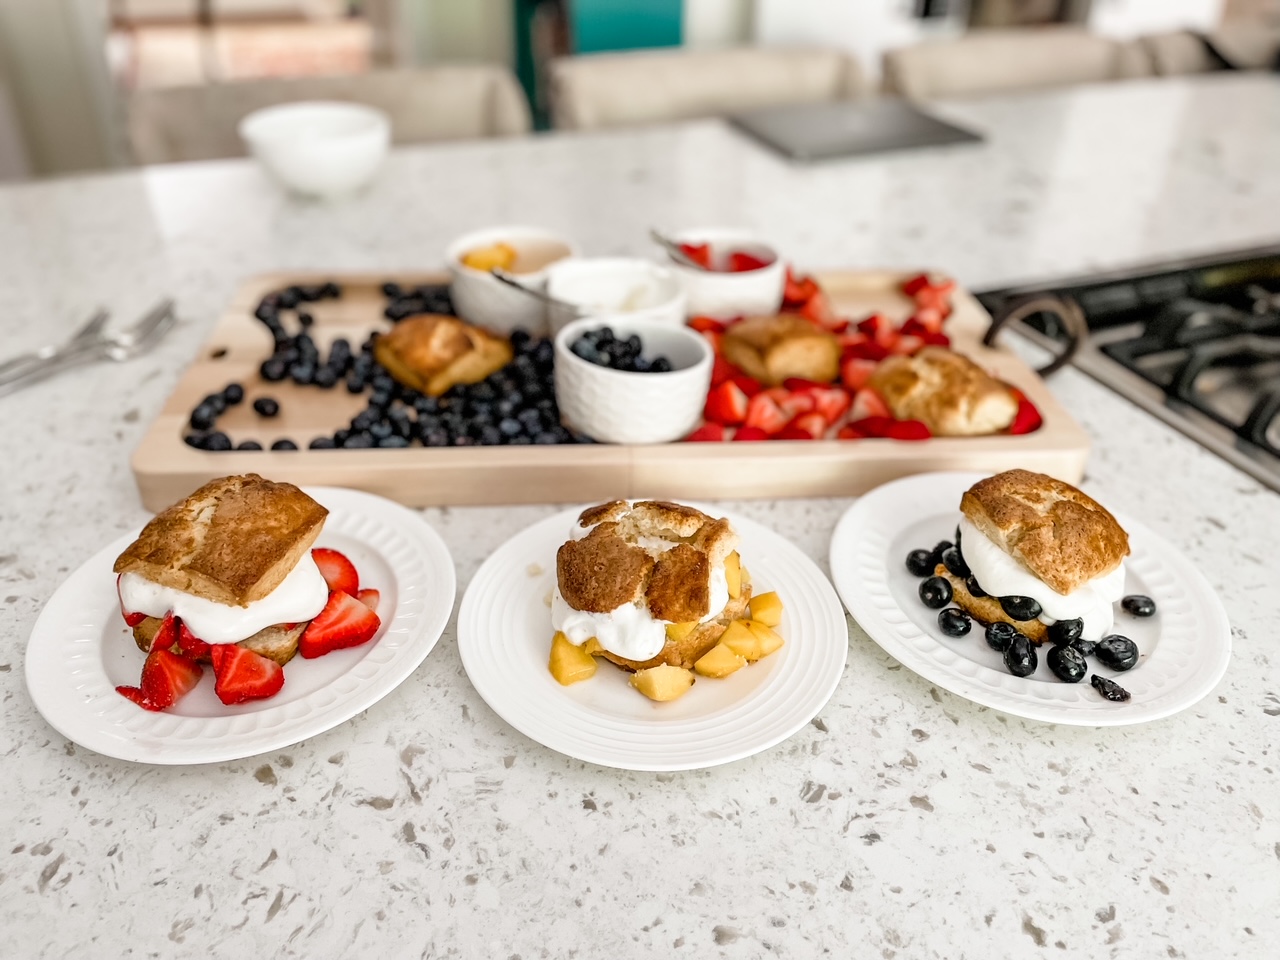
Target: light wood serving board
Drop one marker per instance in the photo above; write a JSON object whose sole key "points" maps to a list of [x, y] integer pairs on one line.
{"points": [[167, 469]]}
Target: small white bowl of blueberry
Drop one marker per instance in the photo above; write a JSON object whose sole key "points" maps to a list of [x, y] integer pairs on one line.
{"points": [[621, 380]]}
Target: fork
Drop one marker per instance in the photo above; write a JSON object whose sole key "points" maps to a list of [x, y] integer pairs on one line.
{"points": [[120, 346], [86, 334]]}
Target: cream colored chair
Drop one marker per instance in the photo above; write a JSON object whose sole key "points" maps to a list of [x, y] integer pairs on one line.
{"points": [[652, 86], [440, 103], [992, 61], [1178, 52]]}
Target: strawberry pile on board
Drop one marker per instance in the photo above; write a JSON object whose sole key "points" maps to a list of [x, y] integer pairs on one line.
{"points": [[741, 408], [173, 665]]}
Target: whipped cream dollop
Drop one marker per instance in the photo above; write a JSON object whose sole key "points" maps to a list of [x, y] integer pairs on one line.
{"points": [[1000, 575], [629, 631], [300, 596]]}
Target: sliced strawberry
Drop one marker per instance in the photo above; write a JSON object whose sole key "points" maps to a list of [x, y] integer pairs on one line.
{"points": [[832, 403], [1027, 419], [936, 340], [913, 327], [818, 309], [132, 619], [241, 675], [867, 350], [750, 433], [873, 324], [708, 432], [868, 403], [748, 385], [867, 427], [344, 622], [338, 572], [192, 646], [799, 290], [167, 635], [369, 597], [798, 404], [813, 424], [908, 430], [726, 405], [934, 299], [722, 370], [167, 678], [742, 262], [855, 372], [715, 339], [136, 695], [800, 385], [915, 284], [930, 318], [792, 432], [907, 345], [763, 413], [707, 324], [699, 253]]}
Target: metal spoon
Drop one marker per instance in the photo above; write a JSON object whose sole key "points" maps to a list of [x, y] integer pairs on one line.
{"points": [[675, 253], [507, 278]]}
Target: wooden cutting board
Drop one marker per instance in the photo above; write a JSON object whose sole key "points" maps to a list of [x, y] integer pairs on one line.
{"points": [[167, 469]]}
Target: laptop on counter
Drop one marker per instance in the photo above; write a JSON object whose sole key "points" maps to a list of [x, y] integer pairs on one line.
{"points": [[831, 129]]}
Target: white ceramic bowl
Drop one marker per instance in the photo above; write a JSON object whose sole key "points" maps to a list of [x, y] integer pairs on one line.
{"points": [[728, 295], [635, 288], [614, 406], [319, 148], [484, 300]]}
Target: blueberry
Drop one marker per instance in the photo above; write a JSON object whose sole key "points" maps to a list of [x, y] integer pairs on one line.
{"points": [[355, 383], [288, 299], [546, 438], [510, 427], [1000, 634], [284, 444], [660, 365], [202, 417], [954, 562], [935, 593], [954, 622], [1020, 608], [1067, 664], [392, 290], [380, 430], [194, 440], [266, 407], [1109, 689], [306, 319], [321, 443], [302, 372], [392, 442], [216, 402], [939, 548], [266, 310], [520, 339], [435, 438], [248, 445], [1087, 648], [325, 377], [232, 393], [1116, 652], [490, 436], [1138, 605], [1020, 657], [523, 440], [360, 440], [971, 584], [920, 563], [1066, 631], [217, 441]]}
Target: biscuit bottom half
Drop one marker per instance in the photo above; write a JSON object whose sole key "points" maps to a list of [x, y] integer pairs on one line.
{"points": [[987, 610], [685, 652]]}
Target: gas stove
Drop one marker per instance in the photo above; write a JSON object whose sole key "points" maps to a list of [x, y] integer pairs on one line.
{"points": [[1196, 343]]}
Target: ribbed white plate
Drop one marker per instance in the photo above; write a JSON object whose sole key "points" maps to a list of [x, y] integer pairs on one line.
{"points": [[1184, 648], [80, 649], [504, 637]]}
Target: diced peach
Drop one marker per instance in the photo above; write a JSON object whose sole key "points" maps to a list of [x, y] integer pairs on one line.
{"points": [[770, 640], [663, 682], [733, 574], [569, 662], [719, 661], [766, 608]]}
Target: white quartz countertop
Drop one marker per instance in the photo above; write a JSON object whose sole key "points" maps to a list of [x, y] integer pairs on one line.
{"points": [[903, 822]]}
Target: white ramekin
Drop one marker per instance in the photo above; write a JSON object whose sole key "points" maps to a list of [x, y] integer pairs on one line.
{"points": [[482, 299], [627, 286], [727, 295], [319, 148], [615, 406]]}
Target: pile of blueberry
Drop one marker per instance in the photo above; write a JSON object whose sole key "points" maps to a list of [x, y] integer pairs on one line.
{"points": [[515, 405], [603, 348], [1066, 658]]}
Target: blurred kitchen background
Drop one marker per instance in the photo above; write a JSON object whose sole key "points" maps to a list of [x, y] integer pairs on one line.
{"points": [[96, 84]]}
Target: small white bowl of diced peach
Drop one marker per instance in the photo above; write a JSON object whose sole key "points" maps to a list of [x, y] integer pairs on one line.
{"points": [[525, 254]]}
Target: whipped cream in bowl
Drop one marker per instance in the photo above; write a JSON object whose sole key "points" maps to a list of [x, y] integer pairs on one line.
{"points": [[1000, 575], [299, 596]]}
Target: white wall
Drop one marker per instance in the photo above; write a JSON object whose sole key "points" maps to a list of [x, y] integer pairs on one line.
{"points": [[866, 28], [1130, 18]]}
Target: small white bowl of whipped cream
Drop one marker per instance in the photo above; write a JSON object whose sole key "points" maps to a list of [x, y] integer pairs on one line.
{"points": [[600, 286]]}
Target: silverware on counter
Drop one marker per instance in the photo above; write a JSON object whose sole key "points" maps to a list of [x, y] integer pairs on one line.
{"points": [[674, 251], [511, 281], [88, 344]]}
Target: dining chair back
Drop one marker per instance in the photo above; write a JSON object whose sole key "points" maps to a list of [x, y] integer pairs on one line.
{"points": [[438, 103], [653, 86], [992, 61]]}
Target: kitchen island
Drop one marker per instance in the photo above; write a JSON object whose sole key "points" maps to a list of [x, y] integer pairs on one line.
{"points": [[903, 821]]}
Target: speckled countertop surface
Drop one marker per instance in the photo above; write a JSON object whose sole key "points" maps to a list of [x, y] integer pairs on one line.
{"points": [[904, 822]]}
